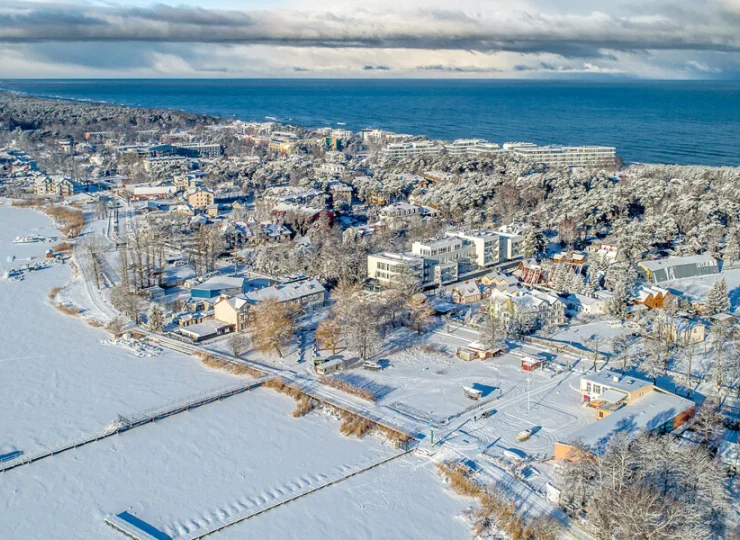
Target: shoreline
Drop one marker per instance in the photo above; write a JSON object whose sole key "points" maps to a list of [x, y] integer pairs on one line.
{"points": [[221, 120]]}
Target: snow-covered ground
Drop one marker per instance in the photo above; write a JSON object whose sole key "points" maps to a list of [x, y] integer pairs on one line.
{"points": [[188, 472], [197, 470], [59, 381]]}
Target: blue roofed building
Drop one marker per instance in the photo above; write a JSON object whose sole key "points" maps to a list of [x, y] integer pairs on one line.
{"points": [[218, 285]]}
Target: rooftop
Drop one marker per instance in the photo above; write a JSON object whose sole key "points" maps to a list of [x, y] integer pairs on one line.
{"points": [[678, 261], [612, 379], [646, 414]]}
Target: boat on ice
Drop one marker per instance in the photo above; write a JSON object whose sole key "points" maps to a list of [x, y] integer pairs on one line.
{"points": [[30, 239], [524, 435], [472, 393]]}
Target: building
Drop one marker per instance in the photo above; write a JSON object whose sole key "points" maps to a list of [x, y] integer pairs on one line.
{"points": [[685, 331], [200, 150], [462, 147], [387, 268], [143, 191], [341, 194], [218, 285], [467, 292], [201, 198], [571, 156], [529, 309], [412, 149], [663, 270], [301, 292], [160, 162], [205, 330], [580, 304], [510, 245], [399, 210], [442, 260], [624, 404], [593, 385], [485, 246], [652, 297], [59, 186]]}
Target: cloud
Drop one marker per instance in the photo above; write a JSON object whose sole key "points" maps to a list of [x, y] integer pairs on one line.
{"points": [[711, 26], [523, 38]]}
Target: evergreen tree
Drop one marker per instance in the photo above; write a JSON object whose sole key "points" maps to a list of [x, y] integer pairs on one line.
{"points": [[155, 318], [731, 251], [534, 244], [717, 299]]}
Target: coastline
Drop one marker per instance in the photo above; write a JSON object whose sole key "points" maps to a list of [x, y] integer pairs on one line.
{"points": [[664, 149]]}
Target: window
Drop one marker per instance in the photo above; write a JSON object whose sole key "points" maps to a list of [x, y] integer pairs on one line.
{"points": [[597, 389]]}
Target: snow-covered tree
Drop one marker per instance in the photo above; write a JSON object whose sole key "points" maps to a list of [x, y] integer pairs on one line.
{"points": [[717, 299], [155, 318], [731, 251], [534, 243]]}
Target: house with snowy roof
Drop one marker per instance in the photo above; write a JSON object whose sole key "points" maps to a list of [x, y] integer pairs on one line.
{"points": [[467, 292], [303, 293], [534, 308]]}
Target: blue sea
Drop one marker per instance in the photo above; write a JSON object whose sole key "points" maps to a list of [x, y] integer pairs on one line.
{"points": [[695, 122]]}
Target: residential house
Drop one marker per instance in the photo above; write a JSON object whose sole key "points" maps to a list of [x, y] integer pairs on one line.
{"points": [[467, 292], [580, 304], [531, 308], [685, 331], [304, 293], [651, 296]]}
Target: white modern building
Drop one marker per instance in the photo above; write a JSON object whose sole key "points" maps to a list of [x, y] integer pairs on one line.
{"points": [[411, 149], [462, 147], [572, 156], [443, 260]]}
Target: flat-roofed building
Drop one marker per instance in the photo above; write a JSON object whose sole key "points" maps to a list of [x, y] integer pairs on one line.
{"points": [[672, 268], [656, 411], [411, 149], [387, 268], [573, 156]]}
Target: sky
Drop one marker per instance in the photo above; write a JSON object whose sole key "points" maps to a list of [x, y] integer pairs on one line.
{"points": [[646, 39]]}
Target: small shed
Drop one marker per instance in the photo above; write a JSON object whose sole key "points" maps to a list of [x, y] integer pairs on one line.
{"points": [[330, 367], [530, 364]]}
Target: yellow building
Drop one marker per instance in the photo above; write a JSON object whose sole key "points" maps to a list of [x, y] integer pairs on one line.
{"points": [[200, 198]]}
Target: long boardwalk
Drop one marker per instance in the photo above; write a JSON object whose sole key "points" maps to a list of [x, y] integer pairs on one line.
{"points": [[244, 517], [124, 424]]}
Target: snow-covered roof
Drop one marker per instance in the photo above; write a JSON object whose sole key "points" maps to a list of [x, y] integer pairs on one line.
{"points": [[612, 379], [646, 414], [285, 292], [704, 260], [217, 283]]}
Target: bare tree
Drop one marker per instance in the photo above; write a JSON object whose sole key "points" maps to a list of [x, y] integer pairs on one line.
{"points": [[238, 343], [593, 343], [91, 248], [329, 333], [127, 302], [273, 324]]}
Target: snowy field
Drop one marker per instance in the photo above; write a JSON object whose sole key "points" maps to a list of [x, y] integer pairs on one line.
{"points": [[578, 335], [197, 470], [59, 381], [191, 471]]}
